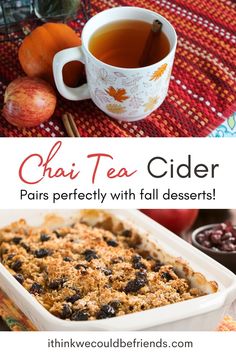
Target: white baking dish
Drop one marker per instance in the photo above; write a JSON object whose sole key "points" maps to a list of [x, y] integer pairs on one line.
{"points": [[203, 313]]}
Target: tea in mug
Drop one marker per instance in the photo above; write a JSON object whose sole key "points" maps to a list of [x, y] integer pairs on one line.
{"points": [[122, 43]]}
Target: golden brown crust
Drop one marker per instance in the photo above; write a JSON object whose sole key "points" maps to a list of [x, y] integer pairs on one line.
{"points": [[82, 272]]}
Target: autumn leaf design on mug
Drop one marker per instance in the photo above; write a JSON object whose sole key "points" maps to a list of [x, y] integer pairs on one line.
{"points": [[119, 94], [158, 73], [115, 108], [152, 101]]}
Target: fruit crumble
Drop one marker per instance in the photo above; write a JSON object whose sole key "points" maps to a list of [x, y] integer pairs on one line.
{"points": [[86, 272]]}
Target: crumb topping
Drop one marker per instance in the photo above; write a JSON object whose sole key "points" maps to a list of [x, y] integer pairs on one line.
{"points": [[84, 273]]}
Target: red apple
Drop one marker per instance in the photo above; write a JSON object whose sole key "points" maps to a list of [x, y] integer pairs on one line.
{"points": [[28, 102], [176, 220]]}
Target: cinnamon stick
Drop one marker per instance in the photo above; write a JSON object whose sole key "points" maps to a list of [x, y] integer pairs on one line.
{"points": [[155, 31], [70, 126]]}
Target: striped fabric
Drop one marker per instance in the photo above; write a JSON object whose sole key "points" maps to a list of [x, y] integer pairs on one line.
{"points": [[202, 89]]}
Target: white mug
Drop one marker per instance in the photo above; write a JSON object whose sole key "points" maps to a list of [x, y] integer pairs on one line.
{"points": [[144, 88]]}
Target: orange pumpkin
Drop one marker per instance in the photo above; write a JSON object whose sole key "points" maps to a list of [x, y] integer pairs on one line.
{"points": [[38, 49]]}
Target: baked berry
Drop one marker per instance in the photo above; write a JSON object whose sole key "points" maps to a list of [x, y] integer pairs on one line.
{"points": [[135, 285], [106, 271], [10, 256], [66, 311], [25, 246], [157, 266], [139, 265], [16, 265], [19, 277], [36, 289], [44, 237], [80, 315], [67, 259], [56, 283], [148, 257], [16, 240], [136, 258], [115, 304], [112, 243], [89, 255], [117, 260], [42, 252], [166, 276], [58, 234], [106, 311], [126, 233], [142, 273], [81, 266], [73, 298]]}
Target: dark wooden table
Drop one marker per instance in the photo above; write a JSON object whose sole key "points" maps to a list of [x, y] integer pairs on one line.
{"points": [[3, 326]]}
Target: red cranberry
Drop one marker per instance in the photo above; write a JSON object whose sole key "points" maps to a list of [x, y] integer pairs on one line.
{"points": [[200, 238], [229, 228], [227, 247], [218, 232], [221, 238], [206, 244], [223, 226], [216, 239], [208, 233]]}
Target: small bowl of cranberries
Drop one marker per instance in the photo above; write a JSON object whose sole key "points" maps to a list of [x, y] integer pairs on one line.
{"points": [[217, 241]]}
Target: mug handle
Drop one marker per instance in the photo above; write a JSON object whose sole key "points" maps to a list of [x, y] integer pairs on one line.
{"points": [[60, 59]]}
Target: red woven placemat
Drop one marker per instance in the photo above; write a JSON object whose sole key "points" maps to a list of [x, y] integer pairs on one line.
{"points": [[202, 89]]}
